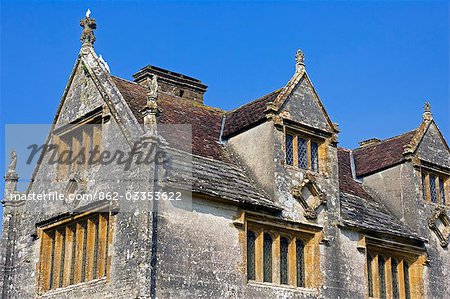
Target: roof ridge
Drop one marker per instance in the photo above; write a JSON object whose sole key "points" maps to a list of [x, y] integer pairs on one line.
{"points": [[385, 140]]}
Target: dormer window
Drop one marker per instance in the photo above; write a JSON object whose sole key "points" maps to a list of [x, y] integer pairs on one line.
{"points": [[433, 187], [302, 151]]}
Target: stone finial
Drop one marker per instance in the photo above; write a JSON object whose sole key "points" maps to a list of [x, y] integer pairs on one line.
{"points": [[427, 115], [150, 111], [299, 59], [11, 177], [87, 35], [13, 163], [152, 88]]}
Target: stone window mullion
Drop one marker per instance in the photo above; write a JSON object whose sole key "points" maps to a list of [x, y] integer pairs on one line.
{"points": [[259, 256], [276, 259], [292, 254], [401, 279], [389, 279], [427, 187], [375, 277]]}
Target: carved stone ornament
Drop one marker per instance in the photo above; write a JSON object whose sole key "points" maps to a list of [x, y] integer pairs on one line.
{"points": [[439, 223], [76, 185], [89, 25], [317, 198], [299, 58], [427, 115], [13, 163]]}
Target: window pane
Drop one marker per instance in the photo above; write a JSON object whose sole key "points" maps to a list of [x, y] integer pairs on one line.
{"points": [[406, 278], [289, 149], [369, 274], [314, 155], [442, 190], [382, 276], [251, 238], [302, 153], [83, 262], [94, 270], [424, 186], [284, 261], [395, 289], [52, 259], [63, 252], [267, 255], [433, 188], [299, 255]]}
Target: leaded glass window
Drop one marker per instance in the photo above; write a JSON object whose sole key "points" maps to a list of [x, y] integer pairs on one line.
{"points": [[442, 190], [314, 156], [300, 258], [284, 260], [406, 278], [369, 274], [267, 258], [433, 192], [302, 148], [424, 186], [73, 251], [395, 288], [382, 276], [378, 273], [289, 149], [251, 238]]}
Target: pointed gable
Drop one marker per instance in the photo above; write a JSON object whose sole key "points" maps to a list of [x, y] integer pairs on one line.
{"points": [[433, 147], [304, 106], [82, 97]]}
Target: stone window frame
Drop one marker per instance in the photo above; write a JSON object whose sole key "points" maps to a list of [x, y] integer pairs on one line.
{"points": [[439, 178], [311, 236], [74, 132], [97, 233], [309, 139], [415, 258]]}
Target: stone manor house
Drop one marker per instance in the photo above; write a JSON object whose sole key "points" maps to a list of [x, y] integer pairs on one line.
{"points": [[277, 209]]}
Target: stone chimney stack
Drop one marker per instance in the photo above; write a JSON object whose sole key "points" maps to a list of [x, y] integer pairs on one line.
{"points": [[172, 83]]}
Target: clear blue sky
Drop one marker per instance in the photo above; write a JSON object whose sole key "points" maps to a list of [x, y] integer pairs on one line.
{"points": [[373, 63]]}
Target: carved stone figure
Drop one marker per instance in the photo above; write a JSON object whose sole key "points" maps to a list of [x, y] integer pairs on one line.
{"points": [[152, 88], [13, 162], [88, 24]]}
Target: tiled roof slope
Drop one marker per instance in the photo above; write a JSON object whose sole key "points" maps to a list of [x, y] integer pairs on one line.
{"points": [[248, 114], [381, 155], [212, 170], [346, 182], [206, 121], [361, 211], [216, 179]]}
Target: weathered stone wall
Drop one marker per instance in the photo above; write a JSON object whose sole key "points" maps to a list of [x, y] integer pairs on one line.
{"points": [[255, 150], [303, 106], [400, 189], [390, 185]]}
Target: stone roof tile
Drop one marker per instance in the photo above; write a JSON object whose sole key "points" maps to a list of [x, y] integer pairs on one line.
{"points": [[381, 155], [248, 115]]}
